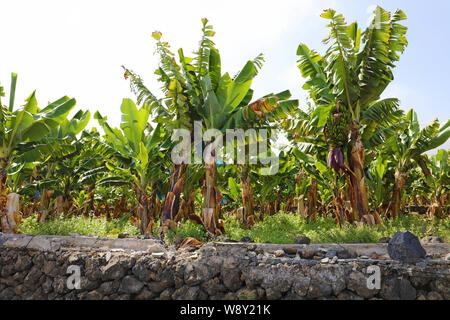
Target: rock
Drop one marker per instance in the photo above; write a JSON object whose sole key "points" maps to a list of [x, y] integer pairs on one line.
{"points": [[272, 294], [165, 295], [108, 287], [319, 289], [31, 280], [384, 240], [330, 254], [447, 257], [94, 295], [232, 279], [325, 260], [346, 254], [434, 296], [47, 285], [279, 253], [300, 286], [290, 250], [7, 294], [246, 239], [407, 291], [302, 240], [334, 260], [364, 257], [192, 293], [374, 256], [141, 272], [113, 270], [442, 286], [431, 239], [405, 247], [348, 295], [357, 282], [397, 289], [421, 264], [130, 285], [308, 254], [23, 262]]}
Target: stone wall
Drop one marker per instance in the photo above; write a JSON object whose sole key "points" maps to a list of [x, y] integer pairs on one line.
{"points": [[36, 267]]}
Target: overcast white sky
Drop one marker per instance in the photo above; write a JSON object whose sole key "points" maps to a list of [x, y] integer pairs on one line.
{"points": [[76, 48]]}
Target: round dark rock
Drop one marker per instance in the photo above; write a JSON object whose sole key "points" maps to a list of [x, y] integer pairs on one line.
{"points": [[405, 247], [302, 240], [246, 239], [130, 285]]}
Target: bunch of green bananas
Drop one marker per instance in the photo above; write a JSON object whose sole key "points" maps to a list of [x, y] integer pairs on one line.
{"points": [[337, 127]]}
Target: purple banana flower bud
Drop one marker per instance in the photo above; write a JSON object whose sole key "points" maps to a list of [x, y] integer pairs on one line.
{"points": [[336, 159]]}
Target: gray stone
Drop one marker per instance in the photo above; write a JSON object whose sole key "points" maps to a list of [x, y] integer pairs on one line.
{"points": [[348, 295], [130, 285], [434, 296], [246, 239], [300, 286], [431, 239], [113, 270], [167, 294], [407, 291], [405, 247], [357, 282], [232, 279], [32, 278], [145, 295], [302, 240], [109, 287], [94, 295], [279, 253], [319, 289], [290, 250]]}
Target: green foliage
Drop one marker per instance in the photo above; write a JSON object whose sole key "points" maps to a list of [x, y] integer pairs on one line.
{"points": [[83, 226], [186, 230], [282, 228]]}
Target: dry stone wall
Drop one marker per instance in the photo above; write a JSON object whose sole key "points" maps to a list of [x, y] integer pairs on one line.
{"points": [[45, 267]]}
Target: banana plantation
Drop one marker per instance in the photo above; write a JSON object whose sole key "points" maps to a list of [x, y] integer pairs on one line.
{"points": [[351, 156]]}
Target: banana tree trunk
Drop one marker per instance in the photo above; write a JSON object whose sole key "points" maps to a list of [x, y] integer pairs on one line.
{"points": [[301, 210], [339, 207], [143, 209], [247, 198], [358, 191], [212, 197], [172, 201], [312, 200], [10, 217], [400, 178]]}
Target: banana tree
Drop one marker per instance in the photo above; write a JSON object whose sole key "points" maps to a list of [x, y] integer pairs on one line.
{"points": [[138, 147], [408, 149], [28, 123], [439, 183], [345, 86], [196, 90], [50, 153]]}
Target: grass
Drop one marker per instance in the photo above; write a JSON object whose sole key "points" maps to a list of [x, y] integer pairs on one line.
{"points": [[283, 228], [83, 226], [280, 228]]}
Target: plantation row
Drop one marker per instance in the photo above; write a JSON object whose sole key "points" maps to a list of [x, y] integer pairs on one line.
{"points": [[351, 155]]}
